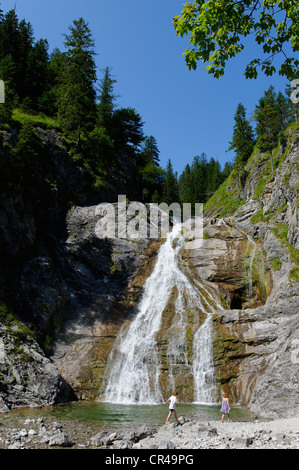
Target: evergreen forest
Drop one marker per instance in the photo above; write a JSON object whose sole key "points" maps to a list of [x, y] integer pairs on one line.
{"points": [[61, 90]]}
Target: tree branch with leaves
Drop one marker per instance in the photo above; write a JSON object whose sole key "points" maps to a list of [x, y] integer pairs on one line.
{"points": [[217, 30]]}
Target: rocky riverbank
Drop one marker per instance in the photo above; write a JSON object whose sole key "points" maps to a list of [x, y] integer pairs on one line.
{"points": [[48, 433]]}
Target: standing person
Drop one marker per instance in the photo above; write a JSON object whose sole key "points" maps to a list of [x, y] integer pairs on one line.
{"points": [[225, 407], [173, 403]]}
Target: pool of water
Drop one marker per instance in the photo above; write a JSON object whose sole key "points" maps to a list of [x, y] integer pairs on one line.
{"points": [[115, 416]]}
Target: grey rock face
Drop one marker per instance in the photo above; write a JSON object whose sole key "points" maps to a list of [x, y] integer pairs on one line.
{"points": [[27, 377], [84, 287]]}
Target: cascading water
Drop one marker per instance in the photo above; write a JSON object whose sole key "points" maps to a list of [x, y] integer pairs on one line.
{"points": [[249, 275], [134, 372], [203, 366]]}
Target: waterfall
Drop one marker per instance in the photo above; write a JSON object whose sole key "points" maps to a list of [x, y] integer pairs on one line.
{"points": [[249, 275], [134, 371], [203, 366]]}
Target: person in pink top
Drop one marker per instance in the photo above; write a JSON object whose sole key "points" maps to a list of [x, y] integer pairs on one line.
{"points": [[172, 404]]}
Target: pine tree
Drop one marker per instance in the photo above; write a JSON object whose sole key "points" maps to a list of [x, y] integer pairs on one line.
{"points": [[76, 93], [150, 152], [25, 70], [170, 188], [228, 167], [127, 130], [213, 177], [106, 101], [269, 122], [185, 183], [242, 142], [199, 178], [152, 175], [9, 44], [38, 75], [243, 137]]}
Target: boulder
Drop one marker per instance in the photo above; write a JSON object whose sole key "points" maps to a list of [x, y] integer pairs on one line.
{"points": [[60, 439]]}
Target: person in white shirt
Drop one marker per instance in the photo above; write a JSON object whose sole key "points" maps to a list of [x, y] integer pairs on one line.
{"points": [[172, 404]]}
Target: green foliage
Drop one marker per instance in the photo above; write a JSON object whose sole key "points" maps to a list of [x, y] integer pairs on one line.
{"points": [[18, 330], [76, 93], [242, 142], [98, 150], [24, 65], [226, 200], [217, 30], [275, 263], [272, 115], [200, 181], [127, 129], [258, 217], [281, 231], [294, 274], [41, 120], [170, 187], [106, 101], [25, 155], [151, 174]]}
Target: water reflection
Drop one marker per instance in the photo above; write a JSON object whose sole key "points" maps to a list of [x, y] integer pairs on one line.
{"points": [[114, 415]]}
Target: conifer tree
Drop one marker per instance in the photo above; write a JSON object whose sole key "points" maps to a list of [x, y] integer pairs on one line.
{"points": [[268, 117], [25, 71], [242, 142], [38, 75], [151, 151], [243, 137], [106, 100], [170, 188], [127, 129], [213, 177], [186, 186], [152, 175], [76, 93], [199, 178]]}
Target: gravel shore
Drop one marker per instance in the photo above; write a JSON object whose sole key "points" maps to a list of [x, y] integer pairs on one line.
{"points": [[47, 433], [278, 434]]}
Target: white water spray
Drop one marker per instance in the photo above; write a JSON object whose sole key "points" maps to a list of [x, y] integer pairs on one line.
{"points": [[249, 275], [134, 365]]}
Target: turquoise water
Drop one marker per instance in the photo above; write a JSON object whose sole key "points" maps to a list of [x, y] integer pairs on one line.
{"points": [[115, 416]]}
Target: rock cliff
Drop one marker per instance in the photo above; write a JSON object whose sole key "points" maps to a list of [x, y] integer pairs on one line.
{"points": [[256, 348], [43, 272], [76, 290]]}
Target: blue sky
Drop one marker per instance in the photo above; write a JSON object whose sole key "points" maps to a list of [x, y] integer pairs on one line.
{"points": [[188, 112]]}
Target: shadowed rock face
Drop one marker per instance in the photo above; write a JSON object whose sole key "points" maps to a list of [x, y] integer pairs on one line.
{"points": [[105, 279]]}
